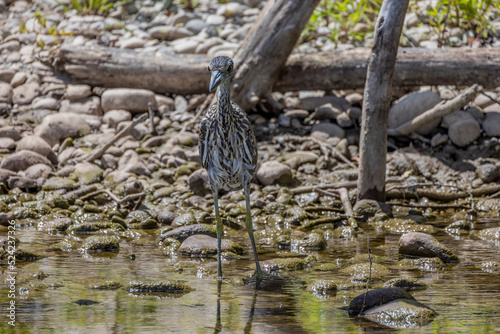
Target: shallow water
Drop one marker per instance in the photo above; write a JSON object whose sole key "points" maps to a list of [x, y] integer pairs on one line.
{"points": [[466, 298]]}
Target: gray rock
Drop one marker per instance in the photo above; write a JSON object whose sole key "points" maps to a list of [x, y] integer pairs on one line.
{"points": [[325, 130], [312, 102], [458, 115], [231, 9], [18, 79], [166, 217], [38, 171], [169, 33], [297, 113], [223, 49], [204, 246], [274, 172], [22, 160], [184, 232], [89, 106], [343, 120], [491, 124], [439, 139], [25, 94], [214, 19], [60, 126], [401, 314], [208, 44], [45, 103], [5, 93], [131, 162], [198, 182], [488, 172], [195, 25], [138, 132], [298, 158], [326, 111], [109, 161], [464, 132], [133, 100], [88, 173], [5, 174], [114, 117], [186, 46], [38, 145], [78, 92], [10, 46], [6, 75], [7, 143], [412, 105], [22, 182], [180, 104], [185, 219], [165, 102], [424, 245], [10, 131]]}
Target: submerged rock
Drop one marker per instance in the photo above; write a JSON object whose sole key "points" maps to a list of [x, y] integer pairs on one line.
{"points": [[425, 245], [322, 288], [489, 234], [361, 272], [400, 314], [406, 283], [99, 243], [174, 287], [293, 263], [183, 232], [204, 246]]}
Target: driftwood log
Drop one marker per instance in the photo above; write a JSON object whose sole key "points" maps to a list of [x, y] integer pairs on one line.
{"points": [[266, 48], [377, 99], [187, 74]]}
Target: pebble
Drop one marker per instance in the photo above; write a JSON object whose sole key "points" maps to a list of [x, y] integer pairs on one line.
{"points": [[7, 143], [133, 43], [231, 9], [45, 103], [169, 33], [131, 162], [6, 75], [18, 79], [24, 94], [5, 93], [10, 131], [38, 171], [488, 172]]}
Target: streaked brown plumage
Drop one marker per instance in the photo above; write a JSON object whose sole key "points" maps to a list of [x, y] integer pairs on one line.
{"points": [[228, 149]]}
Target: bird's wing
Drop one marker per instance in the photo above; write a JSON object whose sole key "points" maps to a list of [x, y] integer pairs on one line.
{"points": [[203, 144], [249, 142]]}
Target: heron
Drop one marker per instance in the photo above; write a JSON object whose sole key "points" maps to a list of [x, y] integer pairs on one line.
{"points": [[228, 149]]}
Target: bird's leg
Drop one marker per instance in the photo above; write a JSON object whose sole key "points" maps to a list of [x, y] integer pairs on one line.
{"points": [[248, 223], [219, 233]]}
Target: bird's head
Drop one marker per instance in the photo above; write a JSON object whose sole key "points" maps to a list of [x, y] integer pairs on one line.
{"points": [[222, 69]]}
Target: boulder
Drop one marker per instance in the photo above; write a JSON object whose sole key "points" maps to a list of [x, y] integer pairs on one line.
{"points": [[271, 172]]}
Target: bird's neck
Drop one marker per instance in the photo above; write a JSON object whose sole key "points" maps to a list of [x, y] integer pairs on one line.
{"points": [[222, 94]]}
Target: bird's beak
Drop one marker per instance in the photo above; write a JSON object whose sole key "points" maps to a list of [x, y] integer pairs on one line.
{"points": [[215, 80]]}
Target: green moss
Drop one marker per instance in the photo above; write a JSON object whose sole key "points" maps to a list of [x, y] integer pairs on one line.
{"points": [[61, 202], [173, 287], [90, 227], [106, 285], [322, 287], [169, 246]]}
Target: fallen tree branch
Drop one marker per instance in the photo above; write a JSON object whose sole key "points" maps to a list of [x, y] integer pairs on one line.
{"points": [[187, 74], [440, 110], [443, 196], [99, 151], [324, 147], [347, 184]]}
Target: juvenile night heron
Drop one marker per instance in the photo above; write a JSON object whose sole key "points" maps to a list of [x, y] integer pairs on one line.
{"points": [[228, 149]]}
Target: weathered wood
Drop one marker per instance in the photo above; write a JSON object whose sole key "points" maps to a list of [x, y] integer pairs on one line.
{"points": [[377, 99], [187, 74], [266, 48], [440, 110]]}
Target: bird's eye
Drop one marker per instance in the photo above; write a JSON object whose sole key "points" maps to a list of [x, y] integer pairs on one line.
{"points": [[230, 68]]}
